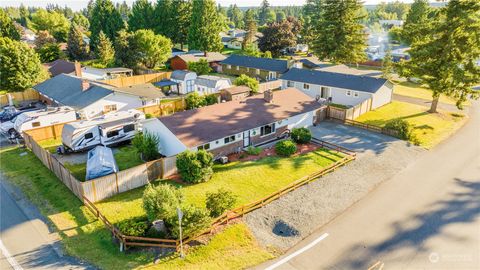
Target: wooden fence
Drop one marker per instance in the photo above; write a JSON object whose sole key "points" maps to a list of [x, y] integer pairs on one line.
{"points": [[126, 241], [28, 94], [164, 108], [47, 132], [350, 113], [138, 79], [106, 186], [271, 85]]}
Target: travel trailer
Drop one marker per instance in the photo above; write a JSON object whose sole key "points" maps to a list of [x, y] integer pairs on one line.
{"points": [[107, 130], [41, 118]]}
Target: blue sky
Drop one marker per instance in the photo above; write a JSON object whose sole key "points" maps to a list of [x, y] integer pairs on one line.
{"points": [[79, 4]]}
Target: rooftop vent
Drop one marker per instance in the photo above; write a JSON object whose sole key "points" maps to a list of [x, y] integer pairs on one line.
{"points": [[268, 96]]}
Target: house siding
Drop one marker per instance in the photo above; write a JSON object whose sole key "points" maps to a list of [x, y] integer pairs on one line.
{"points": [[122, 101], [169, 145], [382, 96], [251, 72], [177, 63]]}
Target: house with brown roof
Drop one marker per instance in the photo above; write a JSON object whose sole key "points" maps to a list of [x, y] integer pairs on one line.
{"points": [[229, 127], [181, 61]]}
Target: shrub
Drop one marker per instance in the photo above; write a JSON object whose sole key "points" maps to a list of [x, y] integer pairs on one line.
{"points": [[133, 227], [146, 145], [195, 167], [161, 202], [301, 135], [201, 67], [403, 128], [218, 202], [148, 116], [254, 151], [211, 99], [194, 220], [285, 148], [154, 233], [247, 81], [195, 100]]}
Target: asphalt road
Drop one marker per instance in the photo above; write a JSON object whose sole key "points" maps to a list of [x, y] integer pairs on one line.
{"points": [[426, 217]]}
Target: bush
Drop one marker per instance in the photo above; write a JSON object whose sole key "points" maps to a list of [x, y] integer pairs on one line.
{"points": [[254, 151], [161, 202], [201, 67], [195, 100], [195, 167], [133, 227], [403, 128], [285, 148], [154, 233], [218, 202], [247, 81], [194, 220], [211, 99], [301, 135], [146, 145]]}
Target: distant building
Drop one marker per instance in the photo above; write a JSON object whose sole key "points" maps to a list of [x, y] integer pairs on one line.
{"points": [[264, 69], [234, 38], [208, 84], [180, 62]]}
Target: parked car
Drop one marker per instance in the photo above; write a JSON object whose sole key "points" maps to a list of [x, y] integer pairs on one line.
{"points": [[107, 130], [41, 118]]}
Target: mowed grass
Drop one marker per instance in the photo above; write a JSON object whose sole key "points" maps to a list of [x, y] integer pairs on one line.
{"points": [[429, 128], [51, 145], [249, 181], [414, 90], [86, 238], [125, 156]]}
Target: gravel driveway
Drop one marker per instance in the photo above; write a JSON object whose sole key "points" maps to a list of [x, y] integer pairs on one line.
{"points": [[304, 210]]}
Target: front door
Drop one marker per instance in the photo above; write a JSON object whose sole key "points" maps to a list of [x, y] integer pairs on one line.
{"points": [[324, 93], [246, 138]]}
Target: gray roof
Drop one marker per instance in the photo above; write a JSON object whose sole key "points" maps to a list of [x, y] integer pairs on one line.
{"points": [[180, 74], [67, 90], [209, 80], [332, 79], [146, 90], [269, 64]]}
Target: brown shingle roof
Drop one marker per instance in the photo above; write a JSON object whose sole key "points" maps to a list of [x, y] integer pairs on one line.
{"points": [[237, 89], [60, 66], [203, 125]]}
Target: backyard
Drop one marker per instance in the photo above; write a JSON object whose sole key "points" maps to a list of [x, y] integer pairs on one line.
{"points": [[429, 128], [248, 180]]}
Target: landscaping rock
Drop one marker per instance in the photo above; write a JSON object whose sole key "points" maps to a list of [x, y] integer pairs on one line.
{"points": [[159, 226]]}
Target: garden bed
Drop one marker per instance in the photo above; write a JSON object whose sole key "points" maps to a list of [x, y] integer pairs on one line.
{"points": [[270, 152]]}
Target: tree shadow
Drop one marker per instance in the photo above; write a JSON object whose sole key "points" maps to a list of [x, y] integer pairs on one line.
{"points": [[461, 207]]}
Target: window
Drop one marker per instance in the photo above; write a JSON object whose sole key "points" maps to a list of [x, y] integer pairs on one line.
{"points": [[109, 108], [229, 139], [356, 94], [112, 133], [257, 71], [349, 92], [290, 84], [35, 124], [267, 129], [204, 147], [88, 135], [237, 67], [128, 128], [306, 86], [229, 66], [248, 69]]}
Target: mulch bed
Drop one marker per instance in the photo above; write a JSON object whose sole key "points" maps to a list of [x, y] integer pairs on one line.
{"points": [[270, 152]]}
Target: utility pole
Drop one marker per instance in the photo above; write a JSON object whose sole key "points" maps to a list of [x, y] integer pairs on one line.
{"points": [[180, 215]]}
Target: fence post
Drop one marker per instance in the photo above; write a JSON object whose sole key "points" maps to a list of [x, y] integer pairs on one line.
{"points": [[116, 182]]}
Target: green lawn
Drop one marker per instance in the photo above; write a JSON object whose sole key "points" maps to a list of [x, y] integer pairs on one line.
{"points": [[429, 128], [231, 51], [86, 238], [249, 181], [126, 157], [232, 78], [414, 90], [51, 144]]}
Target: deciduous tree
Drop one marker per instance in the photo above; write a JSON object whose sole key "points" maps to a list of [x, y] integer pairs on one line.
{"points": [[7, 28], [52, 21], [276, 37], [43, 38], [151, 50]]}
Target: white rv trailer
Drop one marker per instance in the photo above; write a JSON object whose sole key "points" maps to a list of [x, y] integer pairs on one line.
{"points": [[42, 118], [106, 130]]}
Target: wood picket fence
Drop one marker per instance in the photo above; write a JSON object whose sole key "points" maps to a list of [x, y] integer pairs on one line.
{"points": [[132, 241], [28, 94]]}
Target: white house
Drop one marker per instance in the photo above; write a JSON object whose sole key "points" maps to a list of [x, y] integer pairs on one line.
{"points": [[229, 127], [185, 80], [208, 84], [344, 89], [234, 39], [91, 99]]}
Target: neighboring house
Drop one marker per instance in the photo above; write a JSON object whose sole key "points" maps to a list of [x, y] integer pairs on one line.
{"points": [[264, 69], [208, 84], [344, 89], [228, 127], [90, 98], [185, 80], [99, 74], [180, 62], [235, 37], [176, 52], [60, 66], [235, 93]]}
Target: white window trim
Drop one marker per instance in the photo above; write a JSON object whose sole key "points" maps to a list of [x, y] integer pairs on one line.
{"points": [[306, 88]]}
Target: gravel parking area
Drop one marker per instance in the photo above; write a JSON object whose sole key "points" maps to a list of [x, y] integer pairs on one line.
{"points": [[310, 207]]}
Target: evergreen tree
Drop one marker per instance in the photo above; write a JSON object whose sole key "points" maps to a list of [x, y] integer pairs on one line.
{"points": [[76, 47], [80, 20], [124, 53], [7, 28], [164, 20], [339, 36], [249, 16], [446, 61], [104, 18], [24, 16], [236, 16], [49, 52], [263, 13], [20, 66], [311, 14], [204, 32], [387, 65], [181, 13], [104, 50], [141, 16], [123, 9], [43, 38], [251, 32], [417, 23], [280, 16]]}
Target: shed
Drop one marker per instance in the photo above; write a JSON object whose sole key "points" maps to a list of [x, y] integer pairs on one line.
{"points": [[235, 93]]}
